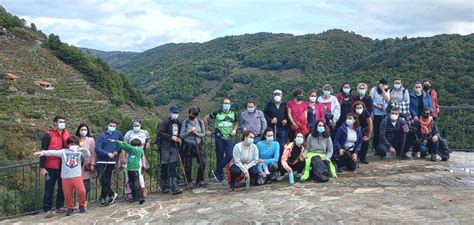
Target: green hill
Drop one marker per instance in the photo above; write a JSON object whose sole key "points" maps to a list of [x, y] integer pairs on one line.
{"points": [[252, 65], [86, 89]]}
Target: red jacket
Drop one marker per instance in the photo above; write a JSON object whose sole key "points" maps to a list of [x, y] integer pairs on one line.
{"points": [[57, 142], [434, 101]]}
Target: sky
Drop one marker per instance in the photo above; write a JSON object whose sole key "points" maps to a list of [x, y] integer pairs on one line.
{"points": [[138, 25]]}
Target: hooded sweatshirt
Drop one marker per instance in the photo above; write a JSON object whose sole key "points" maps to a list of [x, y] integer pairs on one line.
{"points": [[71, 161]]}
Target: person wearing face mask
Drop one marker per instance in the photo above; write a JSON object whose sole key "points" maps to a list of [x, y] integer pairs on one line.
{"points": [[345, 99], [88, 168], [329, 109], [399, 97], [107, 156], [380, 97], [193, 134], [293, 158], [269, 154], [419, 100], [312, 104], [319, 144], [225, 124], [245, 159], [71, 163], [54, 139], [145, 139], [253, 119], [428, 133], [298, 113], [276, 114], [347, 143], [168, 141], [392, 132], [434, 98], [366, 126], [363, 96]]}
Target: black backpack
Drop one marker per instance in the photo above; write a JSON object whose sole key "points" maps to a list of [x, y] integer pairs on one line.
{"points": [[443, 149], [319, 169]]}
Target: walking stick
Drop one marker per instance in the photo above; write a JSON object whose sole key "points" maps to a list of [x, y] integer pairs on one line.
{"points": [[275, 129], [182, 166], [199, 155]]}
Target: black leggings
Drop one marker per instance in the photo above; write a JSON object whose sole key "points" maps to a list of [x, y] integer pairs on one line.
{"points": [[134, 183], [235, 172], [377, 121], [189, 152], [346, 160]]}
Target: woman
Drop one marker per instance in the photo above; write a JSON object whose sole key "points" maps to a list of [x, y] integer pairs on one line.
{"points": [[245, 159], [399, 97], [366, 126], [428, 133], [312, 109], [345, 99], [293, 158], [434, 98], [380, 97], [347, 143], [363, 96], [269, 153], [329, 109], [193, 133], [319, 144], [87, 142], [297, 113]]}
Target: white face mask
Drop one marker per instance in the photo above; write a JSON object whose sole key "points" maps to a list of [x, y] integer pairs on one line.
{"points": [[361, 92], [111, 129], [312, 99], [277, 98], [394, 117], [359, 111], [74, 147], [83, 133], [136, 129]]}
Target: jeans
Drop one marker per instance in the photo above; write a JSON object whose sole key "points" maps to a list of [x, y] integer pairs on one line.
{"points": [[235, 172], [134, 183], [53, 177], [224, 148], [282, 138], [431, 147], [104, 171]]}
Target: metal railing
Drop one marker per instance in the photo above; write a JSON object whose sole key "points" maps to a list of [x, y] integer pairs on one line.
{"points": [[22, 187]]}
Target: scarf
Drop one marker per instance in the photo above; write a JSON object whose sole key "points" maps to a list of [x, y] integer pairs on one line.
{"points": [[425, 125]]}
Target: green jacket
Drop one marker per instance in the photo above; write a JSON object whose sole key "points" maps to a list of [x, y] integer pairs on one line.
{"points": [[134, 156]]}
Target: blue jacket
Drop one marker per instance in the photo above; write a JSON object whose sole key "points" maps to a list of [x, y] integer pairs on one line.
{"points": [[414, 103], [103, 146], [341, 138]]}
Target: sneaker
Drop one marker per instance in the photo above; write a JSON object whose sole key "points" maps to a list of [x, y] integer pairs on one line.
{"points": [[141, 202], [69, 212], [433, 157], [49, 214], [177, 191], [339, 169], [165, 191], [405, 157], [82, 209], [60, 210], [217, 178], [112, 200], [279, 178], [102, 202]]}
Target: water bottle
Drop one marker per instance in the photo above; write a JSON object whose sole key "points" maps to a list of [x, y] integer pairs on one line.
{"points": [[291, 178], [247, 183]]}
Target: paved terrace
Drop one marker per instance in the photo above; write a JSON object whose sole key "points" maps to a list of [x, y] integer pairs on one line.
{"points": [[392, 191]]}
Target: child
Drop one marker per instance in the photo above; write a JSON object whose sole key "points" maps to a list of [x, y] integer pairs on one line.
{"points": [[133, 166], [71, 171]]}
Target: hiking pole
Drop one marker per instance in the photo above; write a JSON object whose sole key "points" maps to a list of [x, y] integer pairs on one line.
{"points": [[275, 129], [182, 166]]}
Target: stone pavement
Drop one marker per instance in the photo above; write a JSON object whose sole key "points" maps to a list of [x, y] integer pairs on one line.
{"points": [[392, 191]]}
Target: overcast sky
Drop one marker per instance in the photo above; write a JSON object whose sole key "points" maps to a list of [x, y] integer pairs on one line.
{"points": [[138, 25]]}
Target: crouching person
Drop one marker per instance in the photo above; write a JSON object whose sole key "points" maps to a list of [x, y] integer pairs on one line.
{"points": [[428, 131], [245, 158], [347, 143], [269, 153], [71, 171], [133, 166], [392, 137], [292, 159]]}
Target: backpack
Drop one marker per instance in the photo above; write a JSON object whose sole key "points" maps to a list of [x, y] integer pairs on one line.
{"points": [[443, 149], [319, 170]]}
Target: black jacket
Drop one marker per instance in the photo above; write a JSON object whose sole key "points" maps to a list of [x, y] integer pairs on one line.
{"points": [[165, 131], [271, 111]]}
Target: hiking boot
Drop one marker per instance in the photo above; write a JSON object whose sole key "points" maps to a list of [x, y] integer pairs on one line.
{"points": [[112, 200], [60, 210], [69, 212], [141, 202], [49, 214], [433, 157], [217, 178], [82, 209]]}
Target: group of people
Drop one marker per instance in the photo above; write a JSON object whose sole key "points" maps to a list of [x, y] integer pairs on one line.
{"points": [[313, 137]]}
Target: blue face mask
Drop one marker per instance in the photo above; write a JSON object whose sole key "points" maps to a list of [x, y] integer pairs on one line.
{"points": [[397, 86], [326, 93], [250, 141], [250, 110], [226, 107], [346, 90], [111, 129], [321, 129], [61, 126], [174, 116], [137, 129], [349, 122], [269, 139]]}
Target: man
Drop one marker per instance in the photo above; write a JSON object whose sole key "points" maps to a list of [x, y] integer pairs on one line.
{"points": [[168, 142], [253, 119], [107, 156], [226, 124], [392, 137], [55, 139], [276, 115]]}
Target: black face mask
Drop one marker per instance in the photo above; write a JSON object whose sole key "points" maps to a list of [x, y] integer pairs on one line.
{"points": [[300, 97], [425, 115], [426, 87]]}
